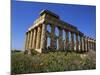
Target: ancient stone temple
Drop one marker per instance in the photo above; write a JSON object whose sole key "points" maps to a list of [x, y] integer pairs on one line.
{"points": [[38, 34]]}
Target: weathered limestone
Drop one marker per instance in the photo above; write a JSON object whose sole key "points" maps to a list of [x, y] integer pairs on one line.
{"points": [[72, 41], [43, 37], [84, 40], [26, 41], [36, 36], [67, 40], [87, 43], [34, 39], [30, 42], [80, 43], [52, 45], [60, 39], [77, 43]]}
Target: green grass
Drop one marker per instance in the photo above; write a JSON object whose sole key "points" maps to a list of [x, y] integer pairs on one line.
{"points": [[51, 62]]}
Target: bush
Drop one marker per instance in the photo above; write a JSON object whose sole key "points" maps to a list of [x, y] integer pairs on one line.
{"points": [[22, 63], [50, 62], [33, 52]]}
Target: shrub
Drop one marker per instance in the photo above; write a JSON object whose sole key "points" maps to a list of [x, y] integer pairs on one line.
{"points": [[50, 62], [22, 63], [33, 52]]}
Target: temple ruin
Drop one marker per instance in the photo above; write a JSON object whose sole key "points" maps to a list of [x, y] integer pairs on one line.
{"points": [[38, 34]]}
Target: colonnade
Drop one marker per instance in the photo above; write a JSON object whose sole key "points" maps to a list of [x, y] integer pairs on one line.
{"points": [[36, 36], [37, 39]]}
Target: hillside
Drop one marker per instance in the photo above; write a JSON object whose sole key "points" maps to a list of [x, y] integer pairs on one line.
{"points": [[52, 62]]}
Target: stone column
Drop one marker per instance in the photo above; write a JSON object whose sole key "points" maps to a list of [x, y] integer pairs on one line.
{"points": [[26, 40], [91, 44], [38, 37], [80, 43], [84, 44], [52, 44], [67, 40], [87, 44], [34, 38], [60, 39], [95, 45], [55, 45], [77, 43], [43, 37], [30, 40], [72, 41]]}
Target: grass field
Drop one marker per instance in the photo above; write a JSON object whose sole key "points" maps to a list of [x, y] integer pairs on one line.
{"points": [[52, 62]]}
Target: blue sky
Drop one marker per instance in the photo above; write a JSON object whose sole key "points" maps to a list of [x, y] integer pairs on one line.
{"points": [[23, 15]]}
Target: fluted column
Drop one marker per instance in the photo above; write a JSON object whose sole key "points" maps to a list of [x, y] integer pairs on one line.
{"points": [[60, 39], [43, 37], [26, 40], [84, 43], [52, 44], [67, 40], [91, 44], [77, 43], [72, 41], [30, 40], [95, 45], [87, 44], [34, 38], [38, 37], [80, 43], [55, 43]]}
